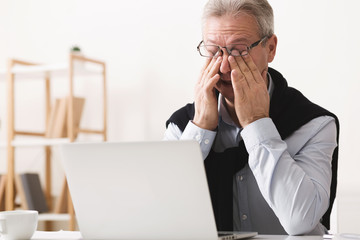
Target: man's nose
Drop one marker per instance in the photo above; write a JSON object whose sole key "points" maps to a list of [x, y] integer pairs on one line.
{"points": [[225, 66]]}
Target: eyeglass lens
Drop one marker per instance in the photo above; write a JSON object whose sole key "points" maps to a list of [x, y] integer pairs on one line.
{"points": [[213, 50]]}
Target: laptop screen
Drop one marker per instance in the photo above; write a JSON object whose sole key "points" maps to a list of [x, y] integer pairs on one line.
{"points": [[139, 190]]}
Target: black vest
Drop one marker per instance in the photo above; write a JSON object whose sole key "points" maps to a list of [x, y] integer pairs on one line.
{"points": [[289, 110]]}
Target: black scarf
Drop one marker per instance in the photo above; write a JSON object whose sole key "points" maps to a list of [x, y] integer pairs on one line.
{"points": [[289, 110]]}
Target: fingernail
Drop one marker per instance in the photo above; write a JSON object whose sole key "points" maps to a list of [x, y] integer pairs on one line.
{"points": [[219, 59]]}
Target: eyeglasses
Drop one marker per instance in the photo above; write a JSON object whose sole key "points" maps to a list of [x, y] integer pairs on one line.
{"points": [[236, 50]]}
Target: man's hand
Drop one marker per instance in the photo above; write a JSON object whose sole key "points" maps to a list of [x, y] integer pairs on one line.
{"points": [[251, 98], [206, 107]]}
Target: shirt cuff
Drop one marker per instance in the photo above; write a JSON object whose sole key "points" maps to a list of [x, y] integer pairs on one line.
{"points": [[259, 131], [204, 137]]}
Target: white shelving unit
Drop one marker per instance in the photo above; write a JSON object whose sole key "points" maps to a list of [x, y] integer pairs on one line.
{"points": [[21, 70]]}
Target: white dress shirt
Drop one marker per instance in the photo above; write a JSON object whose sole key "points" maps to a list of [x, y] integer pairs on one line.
{"points": [[285, 187]]}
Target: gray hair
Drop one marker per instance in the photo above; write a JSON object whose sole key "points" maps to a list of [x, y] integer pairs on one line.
{"points": [[259, 9]]}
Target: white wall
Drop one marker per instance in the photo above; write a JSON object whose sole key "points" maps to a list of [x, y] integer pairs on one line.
{"points": [[150, 49]]}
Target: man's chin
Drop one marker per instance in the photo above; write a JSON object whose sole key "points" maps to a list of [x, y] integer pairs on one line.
{"points": [[226, 90]]}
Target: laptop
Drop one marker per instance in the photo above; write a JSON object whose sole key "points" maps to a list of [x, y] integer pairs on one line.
{"points": [[141, 190]]}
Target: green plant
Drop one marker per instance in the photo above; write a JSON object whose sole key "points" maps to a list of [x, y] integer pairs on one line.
{"points": [[75, 49]]}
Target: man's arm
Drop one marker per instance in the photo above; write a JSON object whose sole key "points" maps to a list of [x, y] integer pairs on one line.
{"points": [[296, 186], [206, 110], [294, 182], [192, 132]]}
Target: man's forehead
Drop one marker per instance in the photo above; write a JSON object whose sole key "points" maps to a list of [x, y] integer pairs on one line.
{"points": [[230, 29], [227, 39]]}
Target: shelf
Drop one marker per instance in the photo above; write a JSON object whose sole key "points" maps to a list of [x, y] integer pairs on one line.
{"points": [[36, 142], [54, 217], [77, 66], [39, 142], [52, 70]]}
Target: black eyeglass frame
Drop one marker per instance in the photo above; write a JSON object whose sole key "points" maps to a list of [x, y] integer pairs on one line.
{"points": [[248, 48]]}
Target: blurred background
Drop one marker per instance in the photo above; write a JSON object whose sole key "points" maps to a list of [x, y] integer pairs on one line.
{"points": [[152, 64]]}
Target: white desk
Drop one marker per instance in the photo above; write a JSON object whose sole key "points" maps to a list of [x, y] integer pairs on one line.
{"points": [[52, 235], [70, 235], [343, 236]]}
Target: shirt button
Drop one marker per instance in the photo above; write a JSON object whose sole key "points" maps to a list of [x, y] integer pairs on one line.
{"points": [[240, 178], [244, 217], [206, 141], [197, 137]]}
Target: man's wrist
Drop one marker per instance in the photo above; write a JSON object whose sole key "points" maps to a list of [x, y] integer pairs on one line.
{"points": [[203, 136], [209, 127], [259, 131]]}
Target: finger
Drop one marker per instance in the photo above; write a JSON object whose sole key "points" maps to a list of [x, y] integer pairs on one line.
{"points": [[215, 67], [252, 69], [245, 69], [203, 69], [239, 82], [211, 84], [238, 77], [233, 63], [206, 70]]}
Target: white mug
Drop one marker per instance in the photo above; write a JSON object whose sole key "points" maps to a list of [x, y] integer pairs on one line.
{"points": [[18, 224]]}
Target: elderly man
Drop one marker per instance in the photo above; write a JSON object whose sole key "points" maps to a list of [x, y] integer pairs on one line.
{"points": [[270, 154]]}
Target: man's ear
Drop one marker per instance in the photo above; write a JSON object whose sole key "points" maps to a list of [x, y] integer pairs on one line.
{"points": [[271, 46]]}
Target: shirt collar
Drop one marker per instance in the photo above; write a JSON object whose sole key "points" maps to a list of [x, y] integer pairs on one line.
{"points": [[223, 113]]}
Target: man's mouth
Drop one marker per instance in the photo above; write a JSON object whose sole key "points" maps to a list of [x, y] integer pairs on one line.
{"points": [[225, 82]]}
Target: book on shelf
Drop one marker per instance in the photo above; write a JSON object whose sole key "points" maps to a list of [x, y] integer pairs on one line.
{"points": [[57, 120], [78, 109], [20, 191], [57, 125], [31, 194], [2, 192]]}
